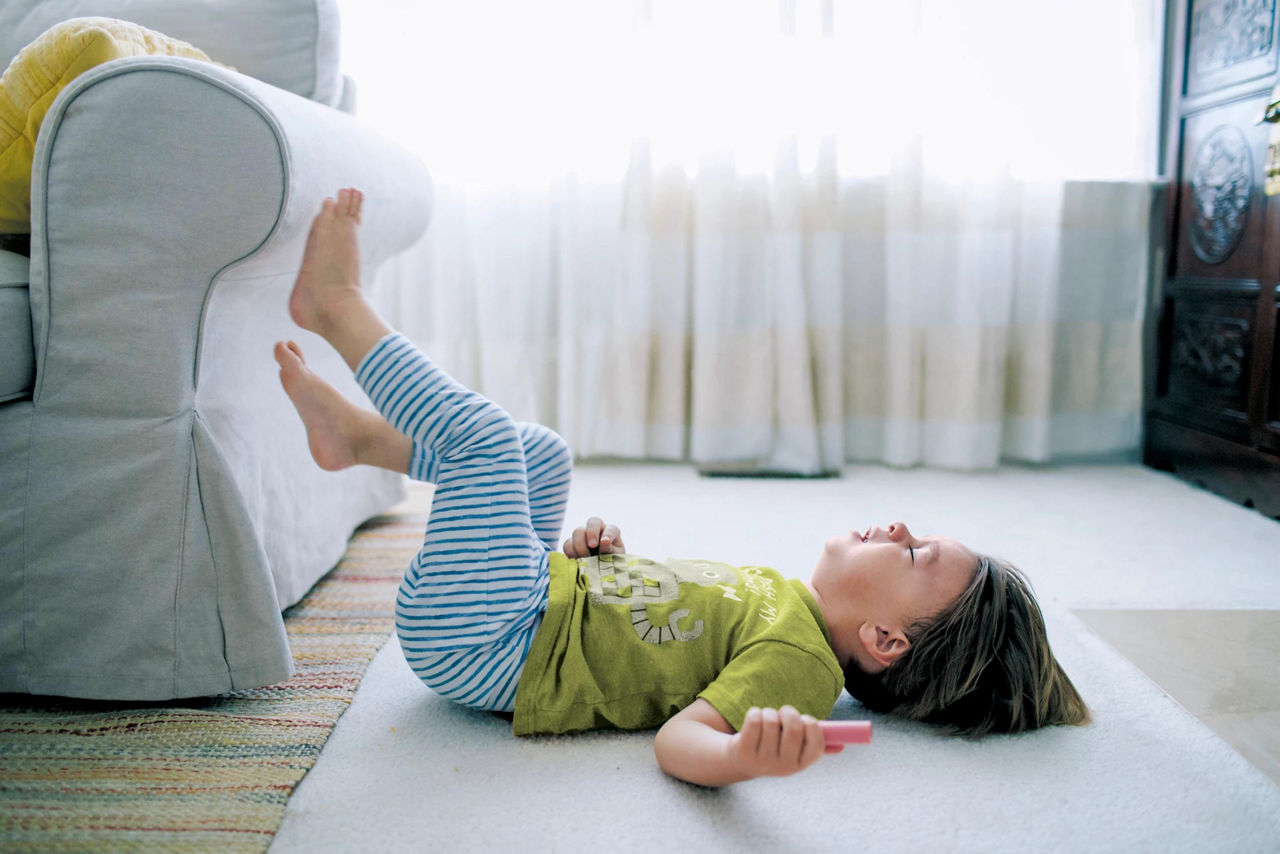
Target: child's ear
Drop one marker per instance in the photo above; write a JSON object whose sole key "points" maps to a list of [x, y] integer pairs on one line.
{"points": [[884, 644]]}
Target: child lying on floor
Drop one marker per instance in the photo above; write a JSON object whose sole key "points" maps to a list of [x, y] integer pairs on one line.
{"points": [[736, 665]]}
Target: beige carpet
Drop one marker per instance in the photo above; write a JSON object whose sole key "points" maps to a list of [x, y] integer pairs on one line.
{"points": [[406, 771]]}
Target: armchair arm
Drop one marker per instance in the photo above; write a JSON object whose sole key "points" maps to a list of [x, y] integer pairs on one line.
{"points": [[172, 509]]}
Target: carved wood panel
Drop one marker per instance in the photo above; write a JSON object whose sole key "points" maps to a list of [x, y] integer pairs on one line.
{"points": [[1207, 356], [1229, 42], [1221, 207], [1210, 352]]}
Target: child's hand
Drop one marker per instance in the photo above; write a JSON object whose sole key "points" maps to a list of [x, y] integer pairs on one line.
{"points": [[699, 745], [776, 743], [594, 538]]}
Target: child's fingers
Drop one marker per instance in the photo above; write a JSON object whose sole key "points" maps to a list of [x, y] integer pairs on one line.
{"points": [[592, 538], [349, 199], [749, 735], [814, 741], [576, 544], [595, 537], [791, 743], [611, 538], [594, 526], [770, 734]]}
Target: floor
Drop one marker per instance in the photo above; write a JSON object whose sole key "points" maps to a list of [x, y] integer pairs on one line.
{"points": [[1218, 665], [1137, 573]]}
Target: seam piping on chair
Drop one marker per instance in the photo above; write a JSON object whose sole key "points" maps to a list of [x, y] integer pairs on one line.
{"points": [[182, 542], [315, 50], [285, 188], [26, 514], [227, 670]]}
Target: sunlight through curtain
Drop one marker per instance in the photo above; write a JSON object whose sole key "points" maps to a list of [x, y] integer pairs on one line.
{"points": [[780, 235]]}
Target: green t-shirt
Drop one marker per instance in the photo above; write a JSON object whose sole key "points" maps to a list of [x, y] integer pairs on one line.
{"points": [[627, 642]]}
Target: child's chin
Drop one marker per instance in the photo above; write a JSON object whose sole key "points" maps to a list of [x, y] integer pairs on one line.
{"points": [[840, 544]]}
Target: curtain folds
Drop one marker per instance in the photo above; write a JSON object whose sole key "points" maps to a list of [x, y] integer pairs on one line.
{"points": [[811, 302], [795, 324]]}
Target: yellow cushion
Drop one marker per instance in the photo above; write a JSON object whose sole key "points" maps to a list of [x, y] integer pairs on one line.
{"points": [[36, 76]]}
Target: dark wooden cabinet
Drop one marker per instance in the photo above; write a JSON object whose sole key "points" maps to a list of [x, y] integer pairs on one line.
{"points": [[1213, 407]]}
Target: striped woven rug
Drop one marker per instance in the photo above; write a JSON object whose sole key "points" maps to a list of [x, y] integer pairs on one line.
{"points": [[211, 774]]}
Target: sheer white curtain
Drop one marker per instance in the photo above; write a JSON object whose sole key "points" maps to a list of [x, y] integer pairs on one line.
{"points": [[780, 234]]}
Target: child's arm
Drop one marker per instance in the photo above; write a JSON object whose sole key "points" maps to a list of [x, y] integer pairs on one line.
{"points": [[698, 745]]}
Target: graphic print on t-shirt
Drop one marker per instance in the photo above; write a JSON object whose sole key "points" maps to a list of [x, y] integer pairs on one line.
{"points": [[620, 579]]}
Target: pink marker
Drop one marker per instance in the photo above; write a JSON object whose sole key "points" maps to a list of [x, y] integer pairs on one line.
{"points": [[839, 733]]}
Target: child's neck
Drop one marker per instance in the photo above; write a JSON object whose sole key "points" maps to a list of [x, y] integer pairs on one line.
{"points": [[835, 626]]}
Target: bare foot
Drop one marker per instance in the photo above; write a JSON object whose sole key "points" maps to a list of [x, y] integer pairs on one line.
{"points": [[330, 273], [335, 425]]}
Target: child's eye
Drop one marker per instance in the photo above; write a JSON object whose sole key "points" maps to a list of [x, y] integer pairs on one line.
{"points": [[913, 553]]}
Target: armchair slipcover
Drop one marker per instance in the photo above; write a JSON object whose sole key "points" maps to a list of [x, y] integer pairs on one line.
{"points": [[158, 505]]}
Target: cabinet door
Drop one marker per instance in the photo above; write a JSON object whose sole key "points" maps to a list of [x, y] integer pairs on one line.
{"points": [[1207, 336]]}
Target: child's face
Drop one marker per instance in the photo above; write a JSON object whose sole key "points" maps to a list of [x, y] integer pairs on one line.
{"points": [[889, 577]]}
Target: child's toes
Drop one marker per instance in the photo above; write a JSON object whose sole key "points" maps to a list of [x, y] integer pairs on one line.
{"points": [[288, 355]]}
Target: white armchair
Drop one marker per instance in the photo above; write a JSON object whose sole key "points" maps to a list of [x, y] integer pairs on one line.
{"points": [[158, 506]]}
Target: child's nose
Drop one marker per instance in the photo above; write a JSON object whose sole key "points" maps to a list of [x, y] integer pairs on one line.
{"points": [[898, 531]]}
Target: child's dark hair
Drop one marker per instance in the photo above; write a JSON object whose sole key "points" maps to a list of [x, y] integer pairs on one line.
{"points": [[982, 665]]}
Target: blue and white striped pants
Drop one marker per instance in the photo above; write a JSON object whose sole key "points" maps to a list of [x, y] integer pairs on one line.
{"points": [[474, 596]]}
